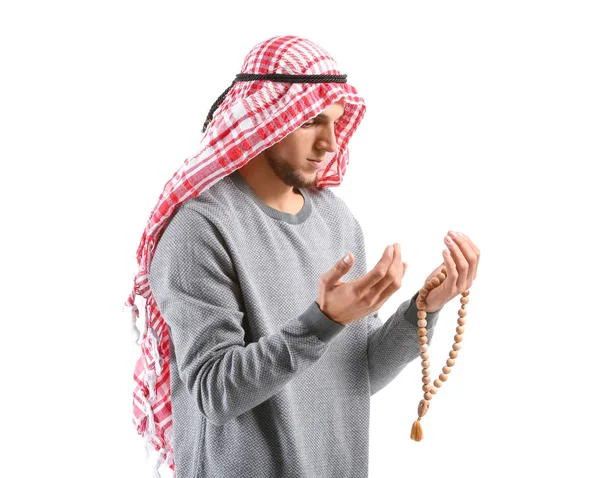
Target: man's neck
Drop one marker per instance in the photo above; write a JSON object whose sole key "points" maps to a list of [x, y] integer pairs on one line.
{"points": [[270, 189]]}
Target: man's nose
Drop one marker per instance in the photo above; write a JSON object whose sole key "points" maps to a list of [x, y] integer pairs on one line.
{"points": [[327, 140]]}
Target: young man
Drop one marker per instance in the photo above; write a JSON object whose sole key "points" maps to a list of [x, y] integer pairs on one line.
{"points": [[259, 361]]}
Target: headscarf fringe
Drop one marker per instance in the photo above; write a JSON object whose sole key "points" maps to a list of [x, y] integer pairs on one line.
{"points": [[160, 455], [154, 350], [159, 460], [151, 382], [134, 314]]}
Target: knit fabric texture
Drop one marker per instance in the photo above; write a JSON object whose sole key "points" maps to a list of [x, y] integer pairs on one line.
{"points": [[263, 384]]}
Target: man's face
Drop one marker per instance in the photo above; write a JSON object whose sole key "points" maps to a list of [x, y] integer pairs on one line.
{"points": [[290, 158]]}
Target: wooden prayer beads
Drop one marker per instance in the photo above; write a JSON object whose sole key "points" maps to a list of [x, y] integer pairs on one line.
{"points": [[430, 389]]}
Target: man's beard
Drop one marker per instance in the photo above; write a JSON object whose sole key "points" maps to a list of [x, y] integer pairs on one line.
{"points": [[288, 174]]}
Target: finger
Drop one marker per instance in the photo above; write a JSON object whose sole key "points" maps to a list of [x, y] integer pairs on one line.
{"points": [[365, 283], [451, 272], [393, 287], [436, 271], [391, 278], [462, 266], [475, 250], [468, 253]]}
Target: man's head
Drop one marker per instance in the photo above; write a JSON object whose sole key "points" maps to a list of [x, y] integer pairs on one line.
{"points": [[287, 86]]}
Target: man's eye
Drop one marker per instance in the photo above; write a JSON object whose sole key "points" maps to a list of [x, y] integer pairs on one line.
{"points": [[308, 123]]}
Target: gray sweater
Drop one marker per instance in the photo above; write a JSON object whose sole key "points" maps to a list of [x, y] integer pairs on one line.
{"points": [[263, 383]]}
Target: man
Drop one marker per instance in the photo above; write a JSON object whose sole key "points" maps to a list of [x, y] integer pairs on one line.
{"points": [[268, 358]]}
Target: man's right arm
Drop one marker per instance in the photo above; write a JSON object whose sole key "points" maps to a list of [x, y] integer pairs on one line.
{"points": [[195, 286]]}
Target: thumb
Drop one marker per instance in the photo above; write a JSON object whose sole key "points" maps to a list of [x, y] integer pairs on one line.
{"points": [[340, 268]]}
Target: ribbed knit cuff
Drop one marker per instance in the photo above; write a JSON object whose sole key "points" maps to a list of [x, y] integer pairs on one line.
{"points": [[411, 314], [319, 324]]}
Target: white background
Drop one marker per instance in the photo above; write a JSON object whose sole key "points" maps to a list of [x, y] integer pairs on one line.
{"points": [[483, 117]]}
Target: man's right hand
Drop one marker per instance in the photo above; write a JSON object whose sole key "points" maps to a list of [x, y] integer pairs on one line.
{"points": [[345, 302]]}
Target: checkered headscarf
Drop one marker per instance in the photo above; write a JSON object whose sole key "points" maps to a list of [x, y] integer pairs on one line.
{"points": [[253, 114]]}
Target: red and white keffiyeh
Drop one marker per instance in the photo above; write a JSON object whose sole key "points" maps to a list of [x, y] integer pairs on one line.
{"points": [[253, 116]]}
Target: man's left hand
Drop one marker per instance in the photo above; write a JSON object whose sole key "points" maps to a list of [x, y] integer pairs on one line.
{"points": [[461, 259]]}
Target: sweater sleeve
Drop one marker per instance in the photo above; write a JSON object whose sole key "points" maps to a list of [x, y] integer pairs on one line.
{"points": [[394, 344], [195, 285]]}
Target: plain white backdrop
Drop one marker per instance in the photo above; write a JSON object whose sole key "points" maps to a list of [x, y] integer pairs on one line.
{"points": [[482, 117]]}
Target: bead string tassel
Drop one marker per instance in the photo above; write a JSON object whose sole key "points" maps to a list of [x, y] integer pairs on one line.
{"points": [[430, 389], [417, 432]]}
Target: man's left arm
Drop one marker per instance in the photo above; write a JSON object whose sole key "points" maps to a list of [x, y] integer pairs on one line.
{"points": [[394, 344]]}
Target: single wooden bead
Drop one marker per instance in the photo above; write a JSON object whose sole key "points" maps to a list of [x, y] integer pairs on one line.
{"points": [[441, 276], [425, 364], [453, 354], [422, 323], [443, 377], [423, 348], [426, 379], [422, 331], [423, 407], [464, 300], [450, 362], [428, 285], [428, 396], [435, 281], [424, 355], [465, 293], [421, 305], [456, 347], [462, 313], [427, 388], [462, 321], [433, 390], [437, 382], [421, 314], [423, 339], [446, 369], [423, 292], [425, 372], [460, 329], [458, 338]]}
